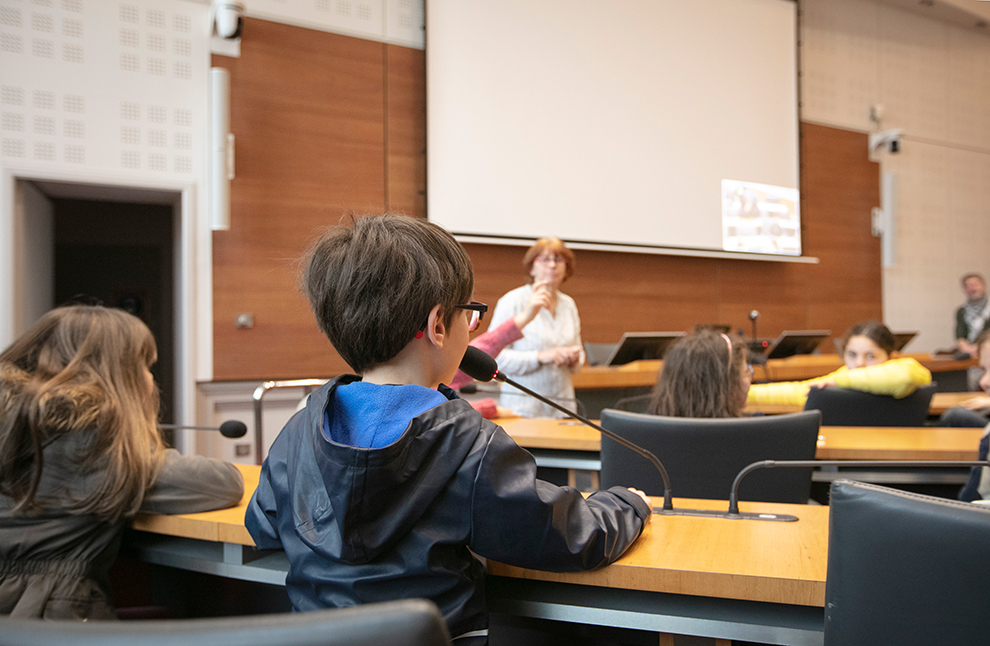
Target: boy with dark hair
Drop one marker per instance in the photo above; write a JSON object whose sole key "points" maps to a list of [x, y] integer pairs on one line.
{"points": [[387, 485]]}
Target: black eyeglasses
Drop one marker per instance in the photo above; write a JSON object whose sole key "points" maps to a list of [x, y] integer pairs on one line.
{"points": [[477, 313]]}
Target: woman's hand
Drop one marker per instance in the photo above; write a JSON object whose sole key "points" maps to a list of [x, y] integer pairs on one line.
{"points": [[573, 354], [552, 357], [567, 356], [542, 297]]}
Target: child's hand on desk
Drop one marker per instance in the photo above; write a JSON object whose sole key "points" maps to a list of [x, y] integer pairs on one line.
{"points": [[645, 498], [977, 403]]}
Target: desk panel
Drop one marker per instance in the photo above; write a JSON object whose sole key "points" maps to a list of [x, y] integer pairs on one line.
{"points": [[834, 442], [941, 402]]}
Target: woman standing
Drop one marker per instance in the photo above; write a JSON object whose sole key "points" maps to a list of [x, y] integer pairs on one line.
{"points": [[550, 350], [80, 454]]}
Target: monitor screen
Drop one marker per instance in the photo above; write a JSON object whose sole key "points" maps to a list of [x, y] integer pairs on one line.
{"points": [[791, 342], [901, 339], [637, 346]]}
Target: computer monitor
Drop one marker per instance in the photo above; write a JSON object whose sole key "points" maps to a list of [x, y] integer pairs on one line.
{"points": [[635, 346], [791, 342], [901, 339]]}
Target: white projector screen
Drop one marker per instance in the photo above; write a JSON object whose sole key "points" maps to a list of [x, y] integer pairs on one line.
{"points": [[610, 122]]}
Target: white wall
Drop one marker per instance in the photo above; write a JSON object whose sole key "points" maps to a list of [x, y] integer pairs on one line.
{"points": [[113, 93], [34, 285], [392, 21], [933, 80]]}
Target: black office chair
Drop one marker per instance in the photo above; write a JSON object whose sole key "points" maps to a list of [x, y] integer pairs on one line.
{"points": [[971, 490], [703, 456], [414, 622], [905, 569], [846, 407]]}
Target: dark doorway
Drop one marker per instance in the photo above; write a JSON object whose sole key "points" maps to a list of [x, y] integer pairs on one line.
{"points": [[122, 254]]}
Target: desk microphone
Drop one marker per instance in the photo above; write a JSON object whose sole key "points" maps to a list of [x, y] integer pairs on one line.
{"points": [[231, 428], [769, 464], [481, 367]]}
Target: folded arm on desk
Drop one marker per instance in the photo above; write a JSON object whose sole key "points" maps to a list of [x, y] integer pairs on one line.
{"points": [[897, 378], [188, 484], [522, 521]]}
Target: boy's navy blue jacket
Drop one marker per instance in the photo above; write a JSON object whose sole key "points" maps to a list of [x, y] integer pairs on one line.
{"points": [[364, 525]]}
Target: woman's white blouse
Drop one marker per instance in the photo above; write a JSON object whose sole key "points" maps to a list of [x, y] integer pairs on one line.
{"points": [[519, 360]]}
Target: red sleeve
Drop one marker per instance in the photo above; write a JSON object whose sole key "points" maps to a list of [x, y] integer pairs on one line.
{"points": [[491, 342]]}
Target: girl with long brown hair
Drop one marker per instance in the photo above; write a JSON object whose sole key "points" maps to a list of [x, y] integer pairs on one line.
{"points": [[80, 454], [705, 375]]}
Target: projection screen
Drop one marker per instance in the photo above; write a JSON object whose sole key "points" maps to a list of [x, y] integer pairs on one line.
{"points": [[656, 124]]}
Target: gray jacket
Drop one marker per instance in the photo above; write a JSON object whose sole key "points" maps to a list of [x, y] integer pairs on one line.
{"points": [[54, 564]]}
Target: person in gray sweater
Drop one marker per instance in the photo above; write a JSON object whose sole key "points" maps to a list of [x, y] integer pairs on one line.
{"points": [[80, 455]]}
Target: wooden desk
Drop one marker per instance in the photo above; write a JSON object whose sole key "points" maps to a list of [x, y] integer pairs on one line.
{"points": [[734, 559], [893, 443], [728, 579], [809, 366], [834, 442], [630, 375], [796, 368], [554, 434]]}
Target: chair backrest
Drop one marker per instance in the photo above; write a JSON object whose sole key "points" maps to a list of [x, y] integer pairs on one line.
{"points": [[414, 622], [703, 456], [634, 404], [905, 569], [971, 490], [846, 407]]}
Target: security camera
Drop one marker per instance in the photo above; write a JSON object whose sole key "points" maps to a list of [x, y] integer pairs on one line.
{"points": [[889, 139], [228, 18]]}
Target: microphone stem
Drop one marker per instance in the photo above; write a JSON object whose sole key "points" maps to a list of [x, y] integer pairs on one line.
{"points": [[668, 503], [770, 464]]}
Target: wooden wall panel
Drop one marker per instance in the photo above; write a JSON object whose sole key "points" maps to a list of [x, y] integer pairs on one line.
{"points": [[327, 124], [308, 112], [406, 131], [840, 186]]}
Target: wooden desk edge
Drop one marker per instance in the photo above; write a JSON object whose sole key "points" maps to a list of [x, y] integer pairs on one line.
{"points": [[767, 589]]}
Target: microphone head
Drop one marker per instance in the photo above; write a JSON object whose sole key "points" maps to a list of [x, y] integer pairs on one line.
{"points": [[233, 428], [754, 315], [478, 365], [469, 389]]}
